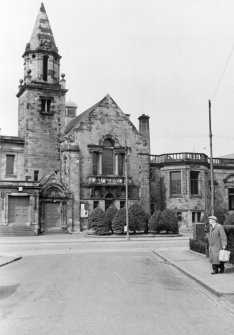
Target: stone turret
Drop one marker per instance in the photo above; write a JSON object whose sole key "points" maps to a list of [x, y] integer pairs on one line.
{"points": [[41, 111]]}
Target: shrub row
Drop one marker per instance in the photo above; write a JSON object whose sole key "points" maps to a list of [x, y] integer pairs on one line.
{"points": [[198, 246], [114, 221]]}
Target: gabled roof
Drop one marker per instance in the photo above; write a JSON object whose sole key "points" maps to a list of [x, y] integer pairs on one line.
{"points": [[42, 36], [107, 100]]}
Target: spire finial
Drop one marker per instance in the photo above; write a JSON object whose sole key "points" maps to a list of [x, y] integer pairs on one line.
{"points": [[42, 9]]}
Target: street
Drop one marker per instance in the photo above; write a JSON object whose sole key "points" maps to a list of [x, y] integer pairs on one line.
{"points": [[110, 287]]}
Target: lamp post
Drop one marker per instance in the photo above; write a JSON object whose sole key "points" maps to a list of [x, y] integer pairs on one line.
{"points": [[211, 163], [126, 191]]}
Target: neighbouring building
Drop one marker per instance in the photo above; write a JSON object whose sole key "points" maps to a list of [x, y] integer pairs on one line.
{"points": [[63, 165]]}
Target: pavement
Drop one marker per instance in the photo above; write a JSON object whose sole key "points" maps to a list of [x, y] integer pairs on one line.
{"points": [[194, 265], [197, 267]]}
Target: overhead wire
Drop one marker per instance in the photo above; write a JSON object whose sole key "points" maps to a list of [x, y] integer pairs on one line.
{"points": [[223, 72]]}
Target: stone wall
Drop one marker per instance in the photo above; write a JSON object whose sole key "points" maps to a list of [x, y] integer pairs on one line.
{"points": [[41, 132], [12, 146], [106, 120], [221, 188]]}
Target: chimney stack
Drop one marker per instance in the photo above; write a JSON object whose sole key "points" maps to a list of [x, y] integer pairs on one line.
{"points": [[144, 128]]}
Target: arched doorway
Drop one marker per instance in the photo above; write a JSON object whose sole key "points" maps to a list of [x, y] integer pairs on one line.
{"points": [[109, 198], [54, 199]]}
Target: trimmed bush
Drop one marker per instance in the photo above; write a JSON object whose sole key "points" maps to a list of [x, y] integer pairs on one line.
{"points": [[119, 221], [110, 214], [139, 217], [205, 220], [229, 219], [156, 224], [170, 221], [198, 246], [97, 222], [221, 215]]}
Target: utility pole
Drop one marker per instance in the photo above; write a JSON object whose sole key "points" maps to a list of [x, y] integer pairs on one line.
{"points": [[126, 191], [211, 163]]}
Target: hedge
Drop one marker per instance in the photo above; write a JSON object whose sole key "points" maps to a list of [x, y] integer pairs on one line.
{"points": [[229, 219], [119, 221], [156, 223], [97, 222], [170, 221], [139, 216], [110, 214]]}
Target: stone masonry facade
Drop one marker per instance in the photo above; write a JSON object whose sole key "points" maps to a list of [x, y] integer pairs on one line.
{"points": [[62, 165]]}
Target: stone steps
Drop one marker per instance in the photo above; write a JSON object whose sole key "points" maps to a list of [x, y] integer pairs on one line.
{"points": [[16, 230]]}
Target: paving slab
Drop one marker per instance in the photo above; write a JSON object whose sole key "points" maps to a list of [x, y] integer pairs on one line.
{"points": [[197, 267]]}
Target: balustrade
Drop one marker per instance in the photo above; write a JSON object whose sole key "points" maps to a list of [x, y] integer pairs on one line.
{"points": [[108, 180], [189, 156]]}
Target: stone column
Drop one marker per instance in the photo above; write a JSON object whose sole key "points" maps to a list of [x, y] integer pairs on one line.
{"points": [[100, 164], [74, 185]]}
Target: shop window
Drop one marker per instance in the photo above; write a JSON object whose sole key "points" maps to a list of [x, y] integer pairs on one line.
{"points": [[194, 182], [175, 183], [231, 198], [10, 159]]}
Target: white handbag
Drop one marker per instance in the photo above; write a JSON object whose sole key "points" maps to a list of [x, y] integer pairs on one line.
{"points": [[224, 255]]}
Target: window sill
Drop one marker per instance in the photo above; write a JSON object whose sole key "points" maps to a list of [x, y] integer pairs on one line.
{"points": [[46, 113], [10, 176], [195, 196]]}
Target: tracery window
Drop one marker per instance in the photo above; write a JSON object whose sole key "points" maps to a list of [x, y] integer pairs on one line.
{"points": [[108, 160], [107, 157]]}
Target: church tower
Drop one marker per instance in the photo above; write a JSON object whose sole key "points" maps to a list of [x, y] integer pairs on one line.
{"points": [[41, 108]]}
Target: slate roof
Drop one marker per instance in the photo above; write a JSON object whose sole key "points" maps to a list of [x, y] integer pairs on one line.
{"points": [[85, 115]]}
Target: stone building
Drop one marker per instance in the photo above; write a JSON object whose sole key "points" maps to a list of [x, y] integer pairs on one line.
{"points": [[181, 182], [97, 146], [63, 165]]}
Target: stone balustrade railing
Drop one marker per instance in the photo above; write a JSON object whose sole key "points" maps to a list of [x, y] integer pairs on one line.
{"points": [[107, 180], [189, 157]]}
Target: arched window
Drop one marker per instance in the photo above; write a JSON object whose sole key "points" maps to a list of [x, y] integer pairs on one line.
{"points": [[107, 157], [45, 67]]}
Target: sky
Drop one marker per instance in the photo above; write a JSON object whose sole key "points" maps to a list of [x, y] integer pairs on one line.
{"points": [[163, 58]]}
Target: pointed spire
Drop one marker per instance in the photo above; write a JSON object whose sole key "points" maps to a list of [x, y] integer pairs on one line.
{"points": [[42, 36]]}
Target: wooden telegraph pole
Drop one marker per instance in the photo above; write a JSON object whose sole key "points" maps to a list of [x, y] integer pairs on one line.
{"points": [[211, 163]]}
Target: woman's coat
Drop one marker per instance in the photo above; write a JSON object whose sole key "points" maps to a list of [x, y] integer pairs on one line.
{"points": [[217, 241]]}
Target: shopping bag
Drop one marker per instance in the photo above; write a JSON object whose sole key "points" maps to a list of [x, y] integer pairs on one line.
{"points": [[224, 255]]}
